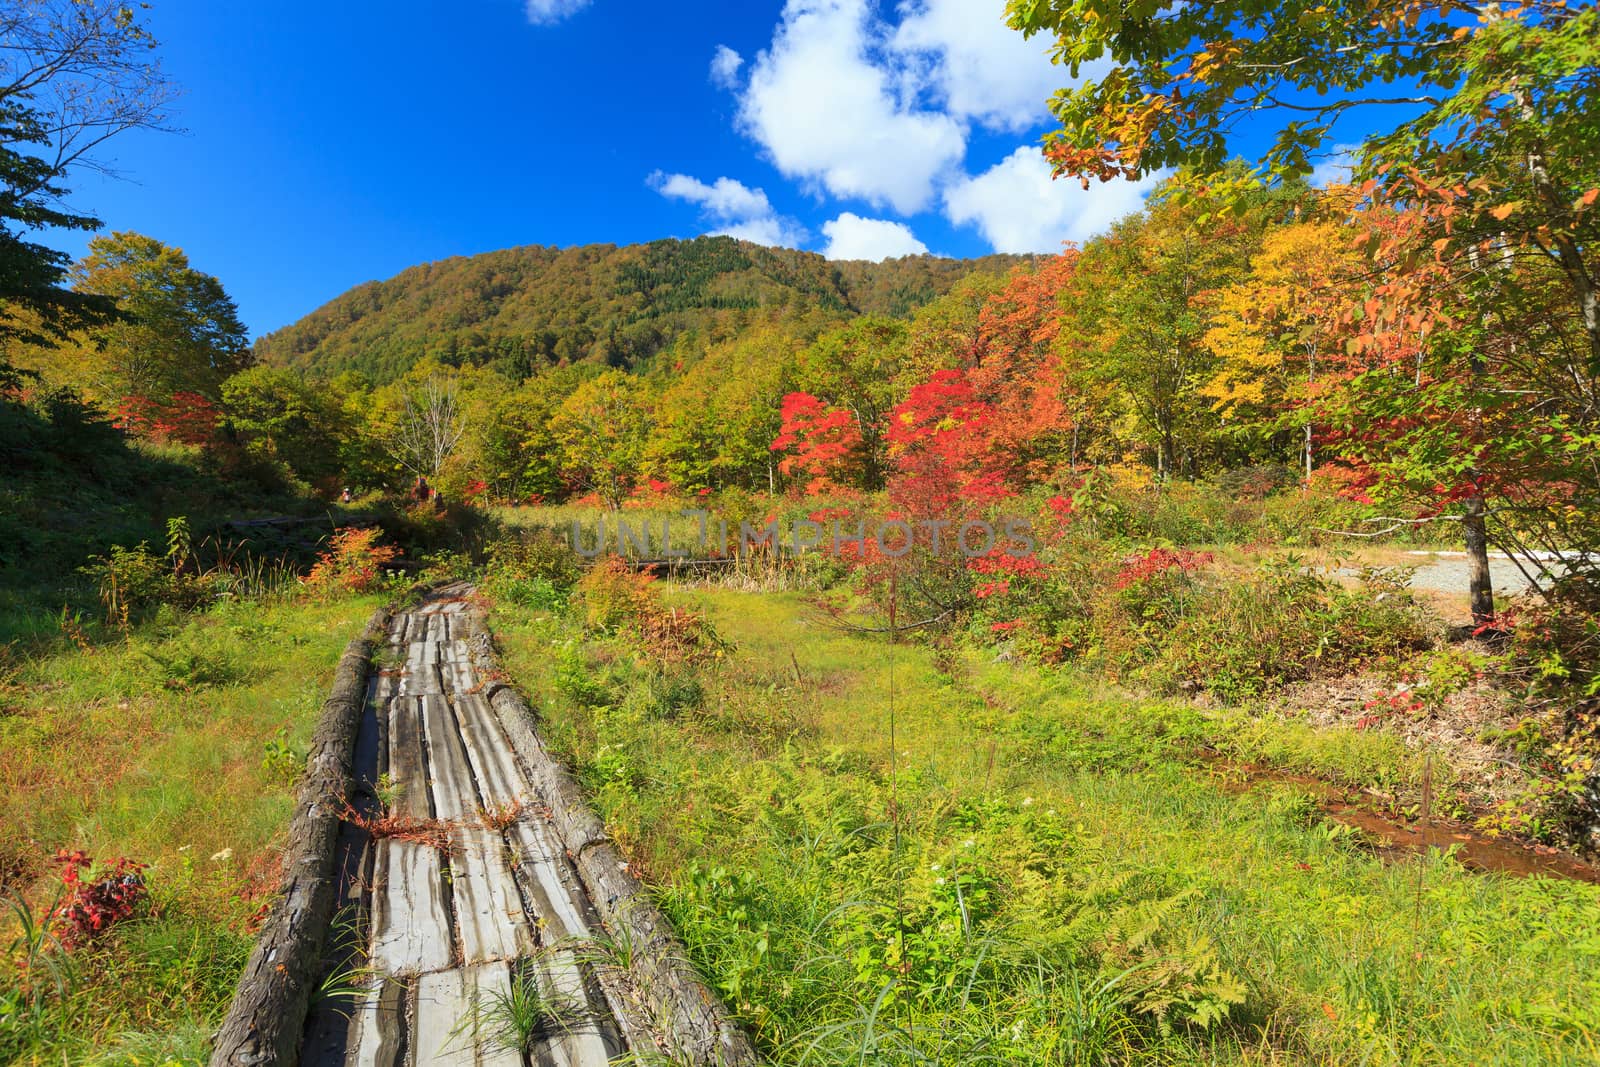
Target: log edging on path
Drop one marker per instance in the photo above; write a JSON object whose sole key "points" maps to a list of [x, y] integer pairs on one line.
{"points": [[266, 1021], [694, 1024]]}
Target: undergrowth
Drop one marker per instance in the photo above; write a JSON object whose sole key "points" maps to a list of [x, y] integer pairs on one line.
{"points": [[885, 854]]}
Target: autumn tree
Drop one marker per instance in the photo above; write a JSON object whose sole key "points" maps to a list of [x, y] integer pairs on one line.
{"points": [[600, 431], [1139, 307], [820, 443], [947, 457], [1275, 335], [946, 334], [1491, 146], [1018, 365], [176, 328]]}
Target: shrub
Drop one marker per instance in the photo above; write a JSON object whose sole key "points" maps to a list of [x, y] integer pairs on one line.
{"points": [[618, 600], [1554, 652], [353, 563], [535, 569], [282, 762], [134, 581], [1283, 625], [91, 906], [574, 680], [190, 662]]}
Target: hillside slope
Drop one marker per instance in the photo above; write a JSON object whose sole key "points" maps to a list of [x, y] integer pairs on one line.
{"points": [[524, 307]]}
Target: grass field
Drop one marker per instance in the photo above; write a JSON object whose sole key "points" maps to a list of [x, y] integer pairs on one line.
{"points": [[901, 855], [175, 747]]}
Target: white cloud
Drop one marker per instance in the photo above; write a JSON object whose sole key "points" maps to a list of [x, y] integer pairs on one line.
{"points": [[1018, 207], [852, 237], [546, 12], [774, 231], [977, 66], [832, 106], [725, 64], [1337, 168], [725, 198], [736, 209]]}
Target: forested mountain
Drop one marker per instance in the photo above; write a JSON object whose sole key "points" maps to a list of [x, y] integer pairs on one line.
{"points": [[523, 308]]}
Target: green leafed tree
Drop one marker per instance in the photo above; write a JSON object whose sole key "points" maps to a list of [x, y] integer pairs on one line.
{"points": [[176, 328], [280, 417], [73, 73]]}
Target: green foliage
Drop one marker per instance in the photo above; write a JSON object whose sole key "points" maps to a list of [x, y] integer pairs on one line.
{"points": [[282, 761], [536, 568], [522, 309], [104, 756], [1043, 873], [574, 680], [1554, 652], [1281, 625], [281, 418], [177, 330], [518, 1016]]}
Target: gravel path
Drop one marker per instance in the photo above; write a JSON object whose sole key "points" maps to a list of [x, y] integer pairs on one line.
{"points": [[1446, 572]]}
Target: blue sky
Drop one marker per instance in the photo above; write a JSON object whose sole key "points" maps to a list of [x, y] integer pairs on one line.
{"points": [[332, 143]]}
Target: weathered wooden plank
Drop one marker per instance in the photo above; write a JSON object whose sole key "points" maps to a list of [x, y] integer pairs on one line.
{"points": [[500, 780], [410, 913], [459, 678], [455, 795], [579, 1033], [378, 1025], [549, 883], [410, 917], [407, 771], [488, 906], [454, 1020], [422, 680], [697, 1025], [425, 651]]}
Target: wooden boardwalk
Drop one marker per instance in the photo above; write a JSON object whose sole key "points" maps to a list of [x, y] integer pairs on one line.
{"points": [[452, 935]]}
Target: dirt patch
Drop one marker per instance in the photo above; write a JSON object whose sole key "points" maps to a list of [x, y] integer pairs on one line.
{"points": [[1459, 727], [1394, 837]]}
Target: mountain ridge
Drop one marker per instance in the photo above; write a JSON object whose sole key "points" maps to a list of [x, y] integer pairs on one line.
{"points": [[521, 308]]}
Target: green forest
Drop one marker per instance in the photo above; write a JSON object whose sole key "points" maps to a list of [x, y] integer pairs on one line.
{"points": [[1267, 730]]}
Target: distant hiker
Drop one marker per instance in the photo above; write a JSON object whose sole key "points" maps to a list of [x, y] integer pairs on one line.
{"points": [[421, 491], [345, 497]]}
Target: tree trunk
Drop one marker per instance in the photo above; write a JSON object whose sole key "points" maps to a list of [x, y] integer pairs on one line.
{"points": [[1308, 456], [1479, 582]]}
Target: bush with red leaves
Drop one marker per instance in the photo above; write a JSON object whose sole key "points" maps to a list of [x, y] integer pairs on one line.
{"points": [[92, 905], [1158, 561]]}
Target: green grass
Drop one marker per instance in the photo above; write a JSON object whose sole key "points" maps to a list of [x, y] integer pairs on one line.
{"points": [[155, 747], [1039, 869]]}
